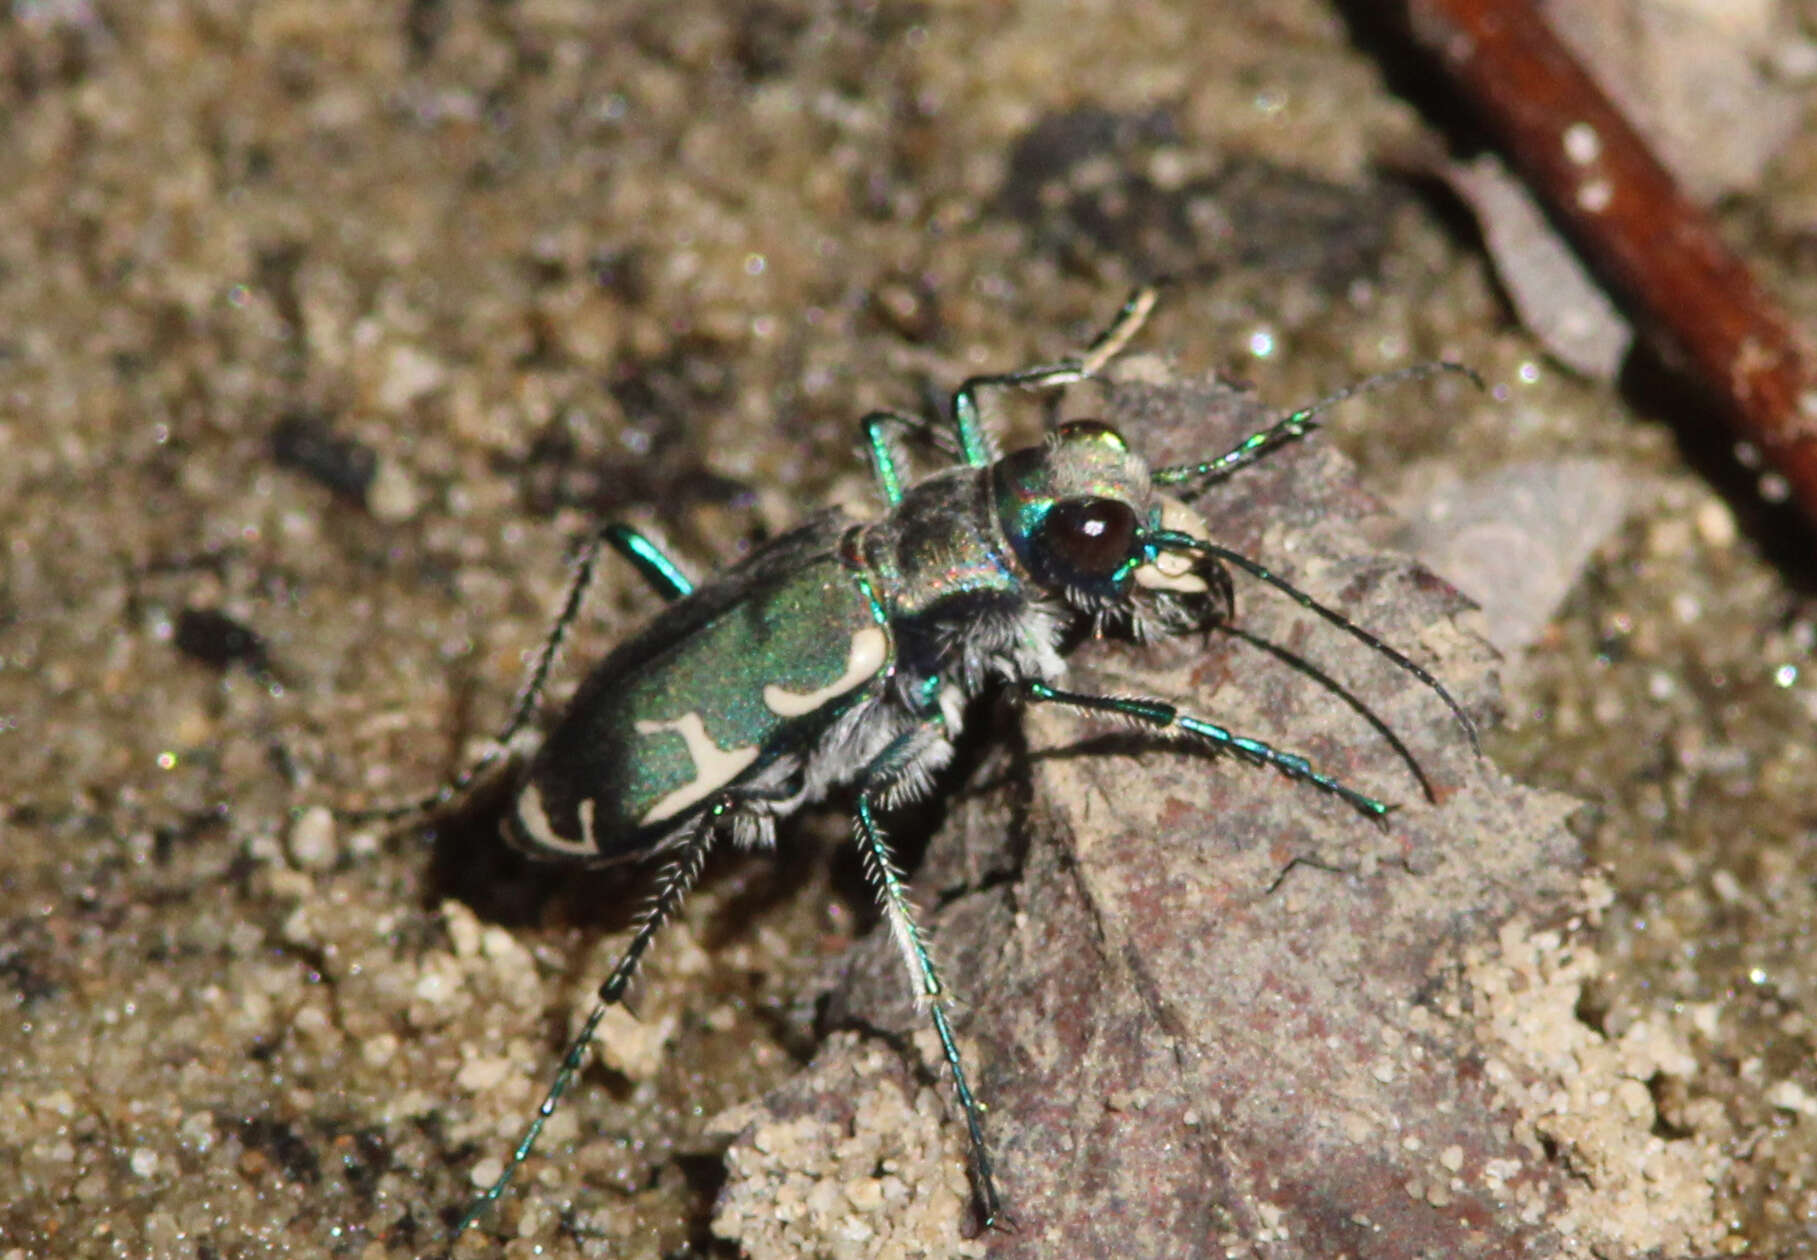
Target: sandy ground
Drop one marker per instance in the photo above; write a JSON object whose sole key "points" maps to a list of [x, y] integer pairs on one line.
{"points": [[325, 329]]}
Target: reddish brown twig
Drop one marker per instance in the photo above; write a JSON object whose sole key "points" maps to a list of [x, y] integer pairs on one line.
{"points": [[1602, 182]]}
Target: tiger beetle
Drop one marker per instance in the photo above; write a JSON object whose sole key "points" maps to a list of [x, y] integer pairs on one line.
{"points": [[843, 654]]}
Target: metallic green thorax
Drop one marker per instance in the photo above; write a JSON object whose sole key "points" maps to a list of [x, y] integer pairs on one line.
{"points": [[940, 544]]}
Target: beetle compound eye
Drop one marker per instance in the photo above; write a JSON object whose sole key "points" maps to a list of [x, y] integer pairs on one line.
{"points": [[1091, 537]]}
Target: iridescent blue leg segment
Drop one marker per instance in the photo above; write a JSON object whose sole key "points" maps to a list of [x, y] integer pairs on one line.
{"points": [[892, 893], [662, 573], [1287, 429], [1166, 717], [1301, 665], [651, 564], [875, 428], [1298, 424]]}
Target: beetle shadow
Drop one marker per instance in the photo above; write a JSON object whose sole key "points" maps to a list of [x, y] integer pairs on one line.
{"points": [[472, 862]]}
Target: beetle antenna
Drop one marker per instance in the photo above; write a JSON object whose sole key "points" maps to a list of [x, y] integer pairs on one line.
{"points": [[1173, 540]]}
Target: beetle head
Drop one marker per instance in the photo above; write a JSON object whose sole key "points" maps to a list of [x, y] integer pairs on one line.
{"points": [[1077, 511]]}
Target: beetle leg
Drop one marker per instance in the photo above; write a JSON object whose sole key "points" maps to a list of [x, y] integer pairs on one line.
{"points": [[976, 444], [677, 877], [879, 780], [651, 563], [883, 453], [1289, 428], [1295, 425], [1166, 717], [663, 574], [657, 568]]}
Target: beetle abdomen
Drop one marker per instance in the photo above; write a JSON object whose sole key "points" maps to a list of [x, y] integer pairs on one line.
{"points": [[700, 704]]}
